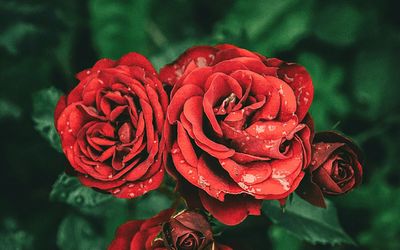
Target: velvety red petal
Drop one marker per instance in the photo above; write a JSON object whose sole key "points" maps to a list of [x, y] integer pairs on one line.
{"points": [[124, 235], [233, 210], [310, 192], [172, 72], [300, 81], [178, 101], [135, 59]]}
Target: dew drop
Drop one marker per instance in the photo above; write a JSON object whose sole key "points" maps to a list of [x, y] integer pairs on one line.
{"points": [[131, 195], [175, 151], [150, 180], [249, 178], [116, 191], [271, 127], [131, 185]]}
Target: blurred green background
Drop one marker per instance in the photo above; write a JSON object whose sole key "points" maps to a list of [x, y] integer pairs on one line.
{"points": [[349, 47]]}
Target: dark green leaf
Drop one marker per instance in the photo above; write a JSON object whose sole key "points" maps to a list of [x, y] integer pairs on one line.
{"points": [[9, 109], [338, 23], [271, 26], [76, 233], [15, 34], [282, 240], [13, 238], [307, 222], [330, 104], [373, 77], [69, 190], [119, 27], [44, 103], [151, 204]]}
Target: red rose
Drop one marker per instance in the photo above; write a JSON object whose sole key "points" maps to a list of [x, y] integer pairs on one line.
{"points": [[187, 230], [237, 128], [110, 126], [335, 168], [141, 234]]}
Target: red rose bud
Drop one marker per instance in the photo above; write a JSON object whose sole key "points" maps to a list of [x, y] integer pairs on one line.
{"points": [[110, 126], [188, 231], [335, 168], [237, 129]]}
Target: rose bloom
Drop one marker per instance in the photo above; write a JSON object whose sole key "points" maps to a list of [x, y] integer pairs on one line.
{"points": [[110, 126], [187, 230], [237, 129], [335, 168]]}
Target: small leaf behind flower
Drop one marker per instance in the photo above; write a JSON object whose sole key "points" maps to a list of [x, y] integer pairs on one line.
{"points": [[69, 190], [75, 232], [44, 103], [309, 223]]}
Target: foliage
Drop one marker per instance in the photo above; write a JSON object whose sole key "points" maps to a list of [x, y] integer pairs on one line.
{"points": [[307, 222], [349, 48], [44, 103]]}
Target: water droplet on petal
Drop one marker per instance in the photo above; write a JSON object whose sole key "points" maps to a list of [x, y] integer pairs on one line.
{"points": [[249, 178], [116, 191], [131, 195]]}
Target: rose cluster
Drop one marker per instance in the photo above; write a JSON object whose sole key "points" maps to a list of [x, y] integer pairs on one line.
{"points": [[230, 126]]}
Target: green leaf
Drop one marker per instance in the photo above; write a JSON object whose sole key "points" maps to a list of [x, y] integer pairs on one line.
{"points": [[119, 28], [330, 105], [44, 103], [151, 204], [12, 237], [338, 23], [374, 73], [282, 240], [307, 222], [171, 52], [76, 233], [15, 35], [9, 109], [271, 26], [69, 190]]}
